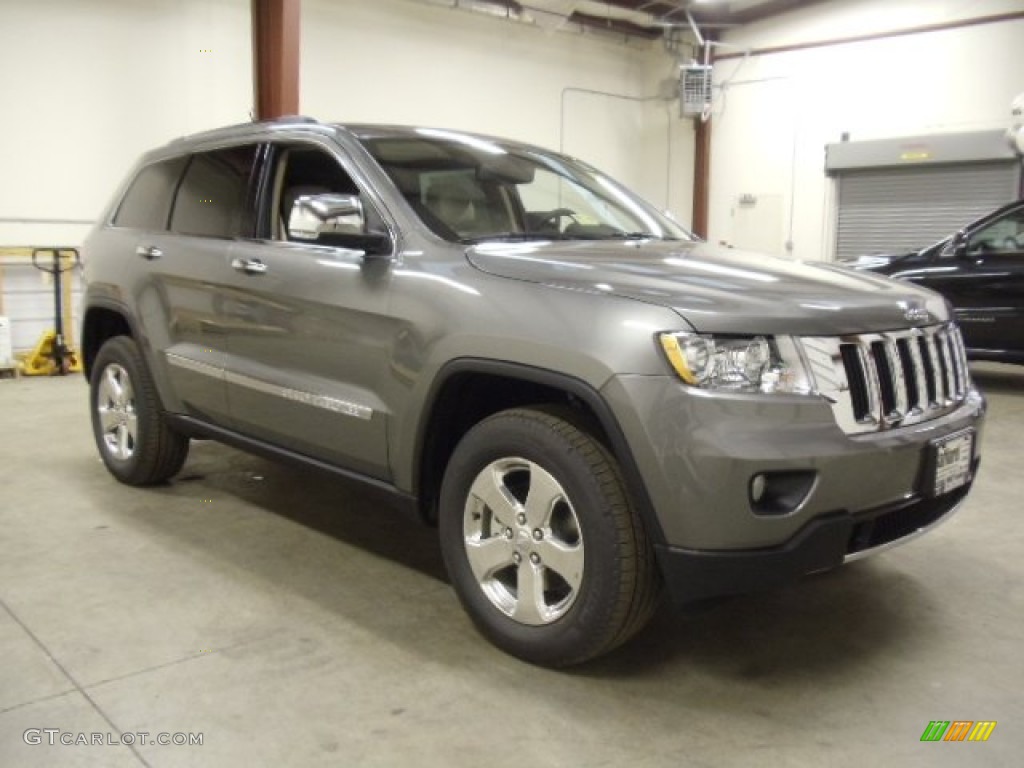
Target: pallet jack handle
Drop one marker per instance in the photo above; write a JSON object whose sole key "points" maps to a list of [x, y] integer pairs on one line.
{"points": [[61, 352]]}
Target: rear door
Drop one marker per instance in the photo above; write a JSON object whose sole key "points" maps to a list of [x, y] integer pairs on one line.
{"points": [[212, 207], [176, 223]]}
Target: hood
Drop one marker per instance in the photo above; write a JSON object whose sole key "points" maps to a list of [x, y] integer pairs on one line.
{"points": [[874, 261], [717, 289]]}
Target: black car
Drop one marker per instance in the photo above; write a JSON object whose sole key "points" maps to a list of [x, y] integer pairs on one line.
{"points": [[980, 270]]}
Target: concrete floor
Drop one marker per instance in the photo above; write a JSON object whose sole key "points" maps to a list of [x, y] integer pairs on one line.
{"points": [[291, 620]]}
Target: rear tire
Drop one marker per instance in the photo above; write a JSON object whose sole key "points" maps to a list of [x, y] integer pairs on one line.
{"points": [[133, 438], [540, 541]]}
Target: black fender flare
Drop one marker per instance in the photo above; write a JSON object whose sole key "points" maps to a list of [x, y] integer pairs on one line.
{"points": [[578, 388]]}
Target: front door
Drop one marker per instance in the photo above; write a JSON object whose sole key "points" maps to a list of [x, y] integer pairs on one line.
{"points": [[985, 284], [310, 336]]}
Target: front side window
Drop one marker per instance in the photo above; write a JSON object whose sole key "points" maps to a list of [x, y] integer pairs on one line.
{"points": [[1004, 235], [147, 203], [469, 189], [213, 199], [302, 171]]}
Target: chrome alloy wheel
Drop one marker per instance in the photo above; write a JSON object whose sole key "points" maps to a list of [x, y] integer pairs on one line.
{"points": [[523, 541], [115, 406]]}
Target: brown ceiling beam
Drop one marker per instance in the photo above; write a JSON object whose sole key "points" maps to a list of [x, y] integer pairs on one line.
{"points": [[275, 46], [942, 26], [711, 14], [617, 26], [768, 9], [653, 7]]}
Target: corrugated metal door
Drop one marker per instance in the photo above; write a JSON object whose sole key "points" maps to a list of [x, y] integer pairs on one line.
{"points": [[892, 210]]}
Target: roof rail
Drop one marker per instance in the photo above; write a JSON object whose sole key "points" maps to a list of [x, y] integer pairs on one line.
{"points": [[293, 119], [228, 129]]}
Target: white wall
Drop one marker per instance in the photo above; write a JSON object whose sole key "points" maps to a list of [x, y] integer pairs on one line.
{"points": [[408, 62], [88, 85], [772, 123]]}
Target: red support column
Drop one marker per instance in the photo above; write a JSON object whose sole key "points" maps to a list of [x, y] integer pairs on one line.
{"points": [[701, 177], [275, 47]]}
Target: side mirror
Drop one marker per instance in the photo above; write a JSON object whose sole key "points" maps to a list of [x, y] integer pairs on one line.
{"points": [[314, 215], [333, 219], [959, 244]]}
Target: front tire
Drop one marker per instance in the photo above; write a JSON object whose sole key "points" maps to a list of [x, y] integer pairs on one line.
{"points": [[134, 440], [540, 541]]}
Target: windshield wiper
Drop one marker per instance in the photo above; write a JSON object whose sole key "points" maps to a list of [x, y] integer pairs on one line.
{"points": [[579, 233], [513, 237], [636, 236]]}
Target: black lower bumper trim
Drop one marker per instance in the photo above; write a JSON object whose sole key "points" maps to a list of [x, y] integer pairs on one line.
{"points": [[694, 575], [820, 545]]}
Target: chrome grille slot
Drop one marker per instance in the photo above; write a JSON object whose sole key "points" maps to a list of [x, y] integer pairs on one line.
{"points": [[886, 378], [858, 387], [938, 370], [927, 368], [942, 340], [892, 379], [909, 368]]}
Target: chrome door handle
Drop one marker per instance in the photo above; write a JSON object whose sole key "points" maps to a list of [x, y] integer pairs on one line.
{"points": [[148, 252], [249, 266]]}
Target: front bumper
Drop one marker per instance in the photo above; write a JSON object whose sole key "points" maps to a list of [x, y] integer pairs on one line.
{"points": [[697, 455], [826, 542]]}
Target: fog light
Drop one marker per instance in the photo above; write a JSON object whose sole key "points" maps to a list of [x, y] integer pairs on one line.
{"points": [[757, 485], [780, 493]]}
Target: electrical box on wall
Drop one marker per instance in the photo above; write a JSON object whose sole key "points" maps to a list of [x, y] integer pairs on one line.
{"points": [[694, 90]]}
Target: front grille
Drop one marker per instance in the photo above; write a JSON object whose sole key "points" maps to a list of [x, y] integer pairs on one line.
{"points": [[880, 381]]}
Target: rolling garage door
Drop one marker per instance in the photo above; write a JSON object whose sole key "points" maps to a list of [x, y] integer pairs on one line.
{"points": [[892, 210], [901, 194]]}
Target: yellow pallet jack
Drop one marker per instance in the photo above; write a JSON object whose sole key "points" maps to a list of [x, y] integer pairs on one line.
{"points": [[52, 356]]}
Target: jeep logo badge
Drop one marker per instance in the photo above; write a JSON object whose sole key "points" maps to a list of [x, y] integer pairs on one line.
{"points": [[915, 313]]}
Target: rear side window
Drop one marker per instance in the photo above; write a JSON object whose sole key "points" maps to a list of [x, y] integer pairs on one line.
{"points": [[213, 199], [147, 203]]}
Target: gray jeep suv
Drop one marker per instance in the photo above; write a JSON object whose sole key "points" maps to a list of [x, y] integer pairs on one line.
{"points": [[589, 402]]}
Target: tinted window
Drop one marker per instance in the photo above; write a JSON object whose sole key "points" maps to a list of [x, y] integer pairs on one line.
{"points": [[1005, 234], [147, 203], [213, 198]]}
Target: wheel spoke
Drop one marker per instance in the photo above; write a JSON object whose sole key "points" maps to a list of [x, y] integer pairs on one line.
{"points": [[112, 388], [131, 425], [486, 556], [123, 449], [564, 560], [489, 489], [544, 493], [127, 393], [530, 605], [108, 418]]}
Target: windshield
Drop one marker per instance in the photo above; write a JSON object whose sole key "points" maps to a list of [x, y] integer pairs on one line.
{"points": [[470, 190]]}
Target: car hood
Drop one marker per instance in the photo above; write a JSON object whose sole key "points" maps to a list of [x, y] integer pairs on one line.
{"points": [[717, 289], [874, 261]]}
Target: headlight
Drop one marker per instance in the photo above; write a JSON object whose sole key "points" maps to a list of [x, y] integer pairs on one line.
{"points": [[737, 363]]}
